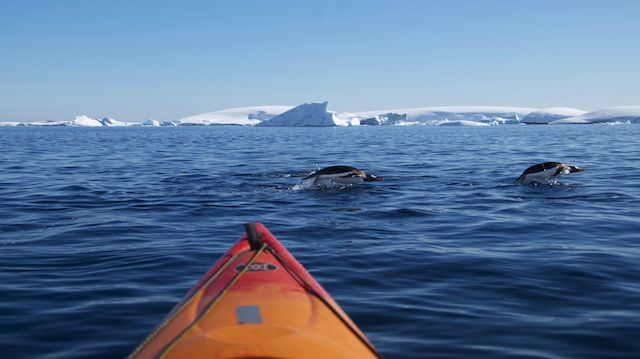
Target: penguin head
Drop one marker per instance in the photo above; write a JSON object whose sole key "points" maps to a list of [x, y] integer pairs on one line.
{"points": [[372, 178], [573, 169]]}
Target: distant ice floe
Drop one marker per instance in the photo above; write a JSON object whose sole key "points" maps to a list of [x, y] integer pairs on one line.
{"points": [[548, 115], [242, 116], [390, 118], [448, 116], [86, 121], [47, 123], [9, 124], [447, 122], [110, 122], [317, 114], [151, 123], [622, 114]]}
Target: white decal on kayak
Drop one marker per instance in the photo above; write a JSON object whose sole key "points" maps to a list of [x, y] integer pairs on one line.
{"points": [[258, 267]]}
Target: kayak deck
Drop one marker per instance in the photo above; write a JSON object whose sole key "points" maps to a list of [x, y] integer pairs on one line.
{"points": [[257, 301]]}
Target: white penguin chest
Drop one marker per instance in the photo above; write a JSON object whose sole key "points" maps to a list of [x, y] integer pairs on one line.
{"points": [[345, 178], [543, 176]]}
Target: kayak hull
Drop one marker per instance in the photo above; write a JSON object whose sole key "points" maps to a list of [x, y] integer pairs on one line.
{"points": [[257, 301]]}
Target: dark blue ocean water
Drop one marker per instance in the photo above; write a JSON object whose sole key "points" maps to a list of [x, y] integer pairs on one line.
{"points": [[103, 230]]}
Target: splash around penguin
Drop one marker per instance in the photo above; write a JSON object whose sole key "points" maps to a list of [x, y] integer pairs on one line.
{"points": [[543, 172], [340, 175]]}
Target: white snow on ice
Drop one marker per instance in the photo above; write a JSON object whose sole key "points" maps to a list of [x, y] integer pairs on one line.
{"points": [[630, 114], [9, 124], [436, 116], [547, 115], [85, 121], [319, 115], [447, 122], [305, 115], [47, 123], [110, 122], [151, 123], [244, 116]]}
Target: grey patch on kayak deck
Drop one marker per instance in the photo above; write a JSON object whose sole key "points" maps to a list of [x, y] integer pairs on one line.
{"points": [[249, 314]]}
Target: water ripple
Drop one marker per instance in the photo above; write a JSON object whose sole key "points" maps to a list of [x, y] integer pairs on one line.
{"points": [[104, 230]]}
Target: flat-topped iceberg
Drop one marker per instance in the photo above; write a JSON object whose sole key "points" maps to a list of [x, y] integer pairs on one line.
{"points": [[547, 115], [46, 123], [243, 116], [490, 115], [318, 115], [628, 114], [447, 122], [10, 124], [78, 121]]}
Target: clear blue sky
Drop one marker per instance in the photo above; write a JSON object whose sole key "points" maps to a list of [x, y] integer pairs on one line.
{"points": [[133, 60]]}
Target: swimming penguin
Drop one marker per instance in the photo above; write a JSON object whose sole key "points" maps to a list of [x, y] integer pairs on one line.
{"points": [[341, 174], [545, 171]]}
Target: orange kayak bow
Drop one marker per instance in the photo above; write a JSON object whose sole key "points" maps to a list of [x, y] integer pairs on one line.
{"points": [[257, 301]]}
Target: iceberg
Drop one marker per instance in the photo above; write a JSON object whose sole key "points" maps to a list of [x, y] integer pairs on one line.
{"points": [[260, 115], [630, 114], [244, 116], [9, 124], [371, 121], [390, 118], [46, 123], [434, 115], [346, 119], [110, 122], [547, 115], [85, 121], [154, 123], [307, 115], [318, 115], [447, 122]]}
